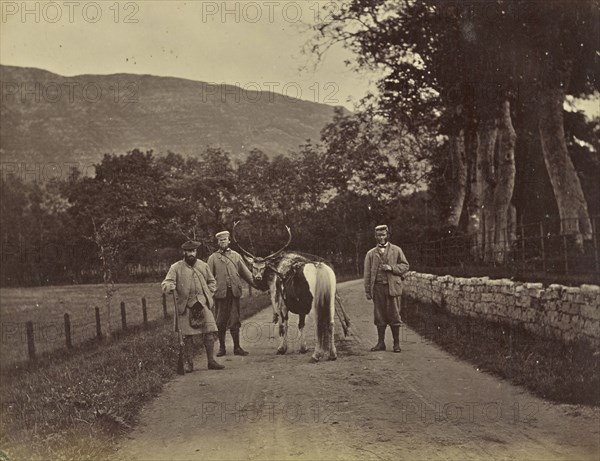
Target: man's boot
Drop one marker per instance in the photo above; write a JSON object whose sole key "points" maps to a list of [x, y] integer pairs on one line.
{"points": [[237, 349], [209, 345], [396, 335], [222, 351], [188, 351], [380, 346]]}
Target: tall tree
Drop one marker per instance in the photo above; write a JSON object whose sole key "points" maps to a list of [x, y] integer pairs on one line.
{"points": [[215, 185], [455, 68], [559, 55], [117, 209]]}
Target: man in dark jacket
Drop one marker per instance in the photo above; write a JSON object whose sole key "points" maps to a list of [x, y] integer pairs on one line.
{"points": [[229, 269], [384, 268]]}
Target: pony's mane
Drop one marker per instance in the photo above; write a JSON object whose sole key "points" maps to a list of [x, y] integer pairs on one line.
{"points": [[309, 258]]}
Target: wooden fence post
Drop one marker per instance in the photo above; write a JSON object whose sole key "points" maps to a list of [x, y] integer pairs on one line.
{"points": [[68, 340], [98, 324], [30, 340], [144, 312], [123, 316]]}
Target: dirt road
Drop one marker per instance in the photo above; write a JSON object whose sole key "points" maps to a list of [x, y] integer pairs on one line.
{"points": [[419, 404]]}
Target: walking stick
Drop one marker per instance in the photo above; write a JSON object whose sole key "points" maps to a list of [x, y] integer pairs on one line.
{"points": [[180, 370], [344, 328], [342, 313]]}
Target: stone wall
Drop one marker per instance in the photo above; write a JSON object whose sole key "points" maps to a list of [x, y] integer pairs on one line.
{"points": [[556, 311]]}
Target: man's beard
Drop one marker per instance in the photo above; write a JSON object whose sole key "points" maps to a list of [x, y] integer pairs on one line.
{"points": [[191, 260]]}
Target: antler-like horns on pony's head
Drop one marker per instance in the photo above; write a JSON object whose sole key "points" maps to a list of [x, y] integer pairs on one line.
{"points": [[271, 256]]}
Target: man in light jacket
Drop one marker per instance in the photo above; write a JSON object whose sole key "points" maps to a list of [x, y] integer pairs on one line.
{"points": [[194, 286], [384, 268], [229, 269]]}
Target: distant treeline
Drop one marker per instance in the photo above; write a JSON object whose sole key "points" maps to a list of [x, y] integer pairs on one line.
{"points": [[132, 215], [127, 221]]}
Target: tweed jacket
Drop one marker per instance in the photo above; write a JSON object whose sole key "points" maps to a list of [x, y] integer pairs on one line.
{"points": [[394, 256], [181, 275], [230, 264]]}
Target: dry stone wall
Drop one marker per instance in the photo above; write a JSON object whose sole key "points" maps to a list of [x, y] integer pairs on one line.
{"points": [[567, 313]]}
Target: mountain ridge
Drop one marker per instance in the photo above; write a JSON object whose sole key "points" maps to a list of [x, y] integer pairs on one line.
{"points": [[47, 117]]}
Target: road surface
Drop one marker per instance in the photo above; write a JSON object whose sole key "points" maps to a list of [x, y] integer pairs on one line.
{"points": [[420, 404]]}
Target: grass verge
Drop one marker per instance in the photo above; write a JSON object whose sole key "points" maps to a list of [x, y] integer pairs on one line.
{"points": [[551, 369], [74, 405]]}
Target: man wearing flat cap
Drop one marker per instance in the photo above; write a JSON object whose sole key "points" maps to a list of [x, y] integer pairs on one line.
{"points": [[384, 268], [229, 269], [194, 286]]}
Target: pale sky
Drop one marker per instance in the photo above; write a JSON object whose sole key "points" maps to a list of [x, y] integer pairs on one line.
{"points": [[256, 44], [253, 43]]}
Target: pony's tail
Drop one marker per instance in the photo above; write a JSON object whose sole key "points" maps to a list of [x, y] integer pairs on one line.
{"points": [[324, 298]]}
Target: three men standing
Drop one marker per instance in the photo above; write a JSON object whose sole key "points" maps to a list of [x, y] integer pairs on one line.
{"points": [[384, 268], [194, 285], [228, 267]]}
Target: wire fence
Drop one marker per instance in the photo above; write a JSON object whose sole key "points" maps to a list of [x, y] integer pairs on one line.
{"points": [[46, 332], [544, 250]]}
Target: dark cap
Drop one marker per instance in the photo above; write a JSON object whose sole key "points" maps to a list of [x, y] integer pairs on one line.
{"points": [[190, 245]]}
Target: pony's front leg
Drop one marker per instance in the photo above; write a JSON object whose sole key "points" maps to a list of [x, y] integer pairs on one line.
{"points": [[283, 331], [301, 323], [275, 304]]}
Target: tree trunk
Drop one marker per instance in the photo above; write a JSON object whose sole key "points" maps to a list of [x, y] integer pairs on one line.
{"points": [[109, 288], [459, 179], [473, 199], [512, 224], [505, 182], [486, 136], [572, 207], [495, 181]]}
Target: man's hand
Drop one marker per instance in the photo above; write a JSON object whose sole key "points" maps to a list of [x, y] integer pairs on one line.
{"points": [[170, 288], [369, 297], [386, 267], [253, 285]]}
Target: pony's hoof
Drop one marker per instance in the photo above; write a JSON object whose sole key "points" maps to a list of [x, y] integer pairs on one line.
{"points": [[333, 357], [303, 350], [313, 360], [281, 351]]}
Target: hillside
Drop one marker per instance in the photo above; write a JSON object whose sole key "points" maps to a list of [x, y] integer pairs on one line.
{"points": [[46, 117]]}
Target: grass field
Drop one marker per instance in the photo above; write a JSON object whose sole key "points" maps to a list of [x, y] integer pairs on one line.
{"points": [[72, 405], [46, 307]]}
